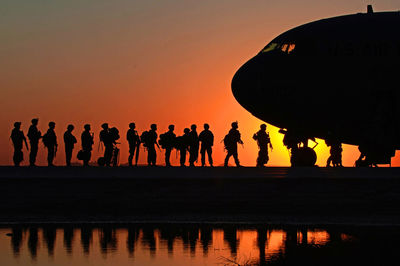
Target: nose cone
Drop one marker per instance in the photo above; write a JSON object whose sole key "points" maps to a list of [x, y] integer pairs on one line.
{"points": [[244, 84]]}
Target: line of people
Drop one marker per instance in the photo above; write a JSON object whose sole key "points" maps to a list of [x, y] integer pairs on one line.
{"points": [[189, 142]]}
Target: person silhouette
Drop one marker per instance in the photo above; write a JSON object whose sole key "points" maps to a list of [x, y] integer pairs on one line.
{"points": [[134, 141], [206, 138], [182, 144], [50, 142], [194, 145], [106, 138], [263, 141], [230, 141], [151, 143], [167, 142], [18, 138], [69, 141], [34, 135], [87, 140]]}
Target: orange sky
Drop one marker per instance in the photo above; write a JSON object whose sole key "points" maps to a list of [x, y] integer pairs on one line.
{"points": [[161, 62]]}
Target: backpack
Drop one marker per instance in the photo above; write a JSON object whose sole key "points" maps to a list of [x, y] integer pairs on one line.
{"points": [[144, 138], [179, 143], [46, 140], [228, 141], [163, 141]]}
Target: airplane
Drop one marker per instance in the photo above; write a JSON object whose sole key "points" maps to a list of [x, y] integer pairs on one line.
{"points": [[335, 79]]}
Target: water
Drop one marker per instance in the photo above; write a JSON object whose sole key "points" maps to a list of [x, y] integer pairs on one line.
{"points": [[182, 244]]}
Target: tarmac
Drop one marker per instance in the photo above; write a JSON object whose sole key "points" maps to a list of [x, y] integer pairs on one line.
{"points": [[271, 195]]}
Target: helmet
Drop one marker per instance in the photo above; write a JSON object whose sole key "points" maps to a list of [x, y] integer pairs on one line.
{"points": [[186, 130], [70, 127], [153, 126], [17, 124], [104, 125], [87, 127], [132, 125], [206, 126], [52, 124], [171, 127], [263, 126], [234, 125]]}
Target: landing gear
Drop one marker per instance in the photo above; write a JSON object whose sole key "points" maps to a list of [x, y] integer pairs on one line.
{"points": [[303, 156], [300, 153]]}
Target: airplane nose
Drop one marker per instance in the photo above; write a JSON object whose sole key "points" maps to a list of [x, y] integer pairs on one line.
{"points": [[244, 83]]}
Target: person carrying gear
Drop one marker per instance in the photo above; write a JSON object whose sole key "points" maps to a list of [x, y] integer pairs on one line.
{"points": [[87, 140], [18, 139], [50, 142], [206, 138], [230, 141], [263, 140], [134, 141], [149, 139], [114, 135], [335, 151], [69, 141], [182, 144], [34, 135], [107, 140], [167, 142], [194, 145]]}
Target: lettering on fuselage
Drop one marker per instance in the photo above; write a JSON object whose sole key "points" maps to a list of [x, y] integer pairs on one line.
{"points": [[364, 49]]}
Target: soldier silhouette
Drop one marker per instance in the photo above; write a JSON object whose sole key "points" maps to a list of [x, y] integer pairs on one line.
{"points": [[69, 141], [182, 144], [167, 142], [18, 138], [149, 139], [194, 145], [335, 152], [134, 141], [263, 141], [230, 141], [34, 135], [206, 138], [107, 140], [87, 140], [50, 142]]}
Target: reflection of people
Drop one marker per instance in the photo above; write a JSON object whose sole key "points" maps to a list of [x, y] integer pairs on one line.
{"points": [[230, 141], [263, 140], [34, 136], [18, 138], [50, 141], [206, 138], [69, 141], [193, 146], [87, 143], [134, 141]]}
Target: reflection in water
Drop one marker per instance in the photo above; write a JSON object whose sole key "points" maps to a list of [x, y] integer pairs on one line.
{"points": [[86, 238], [16, 240], [49, 236], [33, 241], [260, 245], [68, 237]]}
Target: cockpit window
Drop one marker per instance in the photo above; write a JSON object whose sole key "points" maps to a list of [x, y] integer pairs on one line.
{"points": [[270, 47], [286, 47]]}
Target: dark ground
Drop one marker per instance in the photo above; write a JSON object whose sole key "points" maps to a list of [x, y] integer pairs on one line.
{"points": [[246, 195]]}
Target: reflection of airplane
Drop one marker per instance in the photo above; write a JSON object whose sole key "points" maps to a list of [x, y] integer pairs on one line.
{"points": [[333, 77]]}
